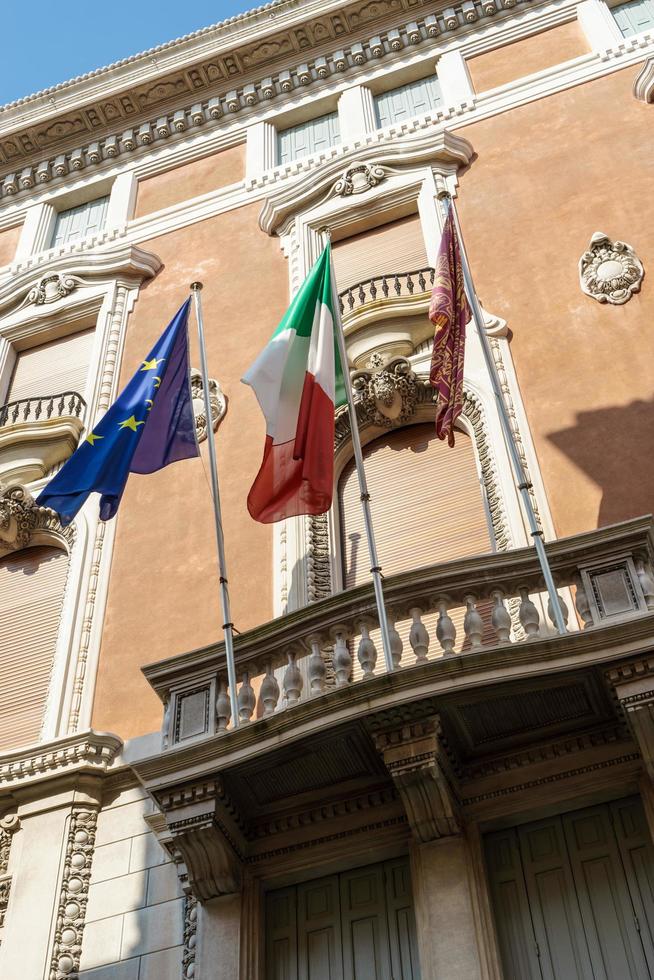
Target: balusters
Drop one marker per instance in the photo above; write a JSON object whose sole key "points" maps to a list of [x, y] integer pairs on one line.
{"points": [[341, 656], [373, 289], [528, 615], [362, 295], [418, 635], [409, 284], [366, 652], [562, 607], [350, 298], [14, 414], [396, 285], [293, 682], [269, 695], [422, 282], [50, 409], [646, 583], [500, 617], [582, 603], [445, 629], [396, 643], [317, 669], [61, 405], [385, 287], [245, 699], [473, 624], [223, 706], [39, 409]]}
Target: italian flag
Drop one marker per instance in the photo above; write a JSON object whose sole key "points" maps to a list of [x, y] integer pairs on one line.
{"points": [[298, 382]]}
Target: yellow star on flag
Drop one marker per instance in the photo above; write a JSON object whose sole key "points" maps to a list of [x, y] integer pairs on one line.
{"points": [[153, 364], [130, 423], [93, 438]]}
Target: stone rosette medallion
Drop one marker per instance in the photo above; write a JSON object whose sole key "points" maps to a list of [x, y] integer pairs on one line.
{"points": [[610, 272]]}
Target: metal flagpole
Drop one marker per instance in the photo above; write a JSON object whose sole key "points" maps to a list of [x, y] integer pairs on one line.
{"points": [[363, 483], [523, 483], [228, 626]]}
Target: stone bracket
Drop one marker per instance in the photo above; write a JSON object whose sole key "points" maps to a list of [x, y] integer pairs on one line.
{"points": [[633, 686], [417, 762]]}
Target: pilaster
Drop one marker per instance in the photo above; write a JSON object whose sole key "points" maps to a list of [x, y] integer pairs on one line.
{"points": [[36, 231], [455, 83], [260, 149], [597, 23], [356, 113]]}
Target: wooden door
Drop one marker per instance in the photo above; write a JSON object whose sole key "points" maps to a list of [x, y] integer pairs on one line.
{"points": [[319, 930], [366, 953]]}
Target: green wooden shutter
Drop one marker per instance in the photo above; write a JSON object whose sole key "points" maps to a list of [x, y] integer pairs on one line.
{"points": [[403, 941], [637, 854], [634, 17], [314, 136], [364, 924], [515, 932], [319, 930], [75, 224], [281, 934], [408, 101], [613, 942]]}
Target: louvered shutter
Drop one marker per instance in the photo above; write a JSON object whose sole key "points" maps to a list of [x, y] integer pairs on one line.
{"points": [[32, 585], [78, 223], [408, 101], [633, 18], [60, 365], [314, 136], [396, 247], [427, 507]]}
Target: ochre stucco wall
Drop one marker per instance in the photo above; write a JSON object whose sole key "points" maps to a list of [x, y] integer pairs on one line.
{"points": [[163, 592], [190, 180], [8, 242], [545, 177], [525, 57]]}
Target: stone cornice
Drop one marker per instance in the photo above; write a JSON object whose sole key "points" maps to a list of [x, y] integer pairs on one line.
{"points": [[90, 752], [89, 136]]}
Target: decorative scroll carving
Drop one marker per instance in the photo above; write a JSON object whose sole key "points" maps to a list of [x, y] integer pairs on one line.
{"points": [[319, 579], [417, 762], [74, 893], [358, 178], [190, 936], [387, 397], [217, 400], [52, 288], [644, 82], [610, 272], [8, 826], [22, 520]]}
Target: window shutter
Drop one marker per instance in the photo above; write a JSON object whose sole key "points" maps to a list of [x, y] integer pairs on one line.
{"points": [[80, 222], [634, 17], [60, 365], [408, 101], [314, 136], [32, 585], [396, 247]]}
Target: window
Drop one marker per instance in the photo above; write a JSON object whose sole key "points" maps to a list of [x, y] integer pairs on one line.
{"points": [[310, 137], [634, 17], [408, 101], [31, 592], [75, 224], [52, 368]]}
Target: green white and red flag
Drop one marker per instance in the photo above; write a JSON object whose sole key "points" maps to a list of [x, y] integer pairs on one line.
{"points": [[298, 382]]}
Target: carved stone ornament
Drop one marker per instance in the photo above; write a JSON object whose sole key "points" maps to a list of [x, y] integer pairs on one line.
{"points": [[644, 82], [21, 519], [388, 393], [73, 898], [8, 826], [217, 400], [358, 178], [610, 272], [51, 288]]}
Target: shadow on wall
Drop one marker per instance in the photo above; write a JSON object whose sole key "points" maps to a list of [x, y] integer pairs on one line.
{"points": [[615, 447]]}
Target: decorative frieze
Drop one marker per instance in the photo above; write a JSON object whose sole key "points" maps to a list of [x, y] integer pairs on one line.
{"points": [[73, 898], [610, 272]]}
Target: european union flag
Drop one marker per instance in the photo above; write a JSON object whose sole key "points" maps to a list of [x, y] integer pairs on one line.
{"points": [[150, 425]]}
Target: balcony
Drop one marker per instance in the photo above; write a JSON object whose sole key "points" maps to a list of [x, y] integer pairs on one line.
{"points": [[38, 433], [492, 688]]}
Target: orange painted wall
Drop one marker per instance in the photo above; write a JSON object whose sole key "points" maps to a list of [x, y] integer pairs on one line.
{"points": [[532, 54], [8, 242], [190, 180], [163, 592], [546, 177]]}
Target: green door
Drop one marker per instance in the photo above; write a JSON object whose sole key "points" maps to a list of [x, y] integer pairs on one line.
{"points": [[573, 895]]}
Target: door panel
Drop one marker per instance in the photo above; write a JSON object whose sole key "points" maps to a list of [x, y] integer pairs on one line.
{"points": [[613, 941], [281, 934], [319, 930], [364, 925], [403, 940], [554, 909], [637, 852]]}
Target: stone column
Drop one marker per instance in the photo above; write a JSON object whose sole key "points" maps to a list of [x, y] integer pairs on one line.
{"points": [[440, 860]]}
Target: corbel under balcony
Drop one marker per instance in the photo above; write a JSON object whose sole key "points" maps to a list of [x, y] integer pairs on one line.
{"points": [[38, 433]]}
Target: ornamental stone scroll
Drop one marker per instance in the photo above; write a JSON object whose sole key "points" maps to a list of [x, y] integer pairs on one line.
{"points": [[610, 272]]}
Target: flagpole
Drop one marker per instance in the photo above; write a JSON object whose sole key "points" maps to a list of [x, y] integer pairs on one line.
{"points": [[375, 569], [228, 626], [523, 483]]}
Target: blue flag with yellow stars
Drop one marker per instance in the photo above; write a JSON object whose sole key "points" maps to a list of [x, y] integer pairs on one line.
{"points": [[150, 425]]}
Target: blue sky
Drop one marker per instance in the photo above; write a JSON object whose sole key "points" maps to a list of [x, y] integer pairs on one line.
{"points": [[45, 42]]}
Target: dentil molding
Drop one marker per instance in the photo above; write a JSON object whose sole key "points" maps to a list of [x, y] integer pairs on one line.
{"points": [[610, 272]]}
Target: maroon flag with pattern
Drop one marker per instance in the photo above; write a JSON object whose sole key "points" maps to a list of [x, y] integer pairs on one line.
{"points": [[450, 312]]}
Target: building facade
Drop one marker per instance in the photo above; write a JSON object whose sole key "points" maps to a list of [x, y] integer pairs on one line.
{"points": [[486, 809]]}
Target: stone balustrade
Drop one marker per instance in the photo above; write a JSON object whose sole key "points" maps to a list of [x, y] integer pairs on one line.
{"points": [[456, 610], [391, 286], [68, 404]]}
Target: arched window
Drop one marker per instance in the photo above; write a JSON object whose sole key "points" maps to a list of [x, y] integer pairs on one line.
{"points": [[427, 504], [32, 583]]}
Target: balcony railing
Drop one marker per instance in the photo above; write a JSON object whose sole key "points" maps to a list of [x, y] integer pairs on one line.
{"points": [[392, 286], [68, 404], [494, 598]]}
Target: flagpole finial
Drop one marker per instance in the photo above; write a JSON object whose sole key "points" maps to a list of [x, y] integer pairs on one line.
{"points": [[326, 232], [196, 287]]}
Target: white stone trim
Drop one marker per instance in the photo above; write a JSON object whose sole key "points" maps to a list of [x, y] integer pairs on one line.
{"points": [[644, 82], [456, 87], [260, 148], [598, 24], [356, 113]]}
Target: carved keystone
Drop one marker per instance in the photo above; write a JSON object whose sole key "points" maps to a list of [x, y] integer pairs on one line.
{"points": [[416, 760]]}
